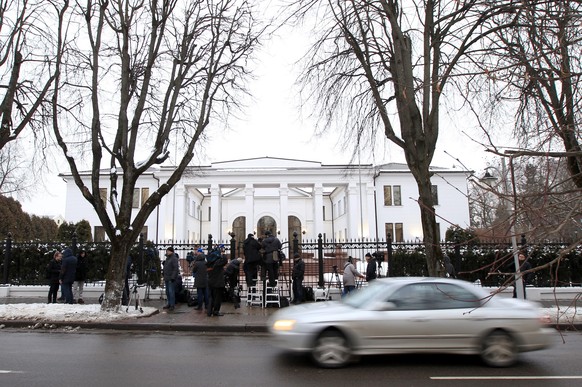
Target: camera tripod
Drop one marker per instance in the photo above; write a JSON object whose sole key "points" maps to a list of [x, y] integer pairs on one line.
{"points": [[334, 277], [134, 296]]}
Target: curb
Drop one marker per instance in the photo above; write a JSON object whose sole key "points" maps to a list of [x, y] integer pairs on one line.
{"points": [[142, 327]]}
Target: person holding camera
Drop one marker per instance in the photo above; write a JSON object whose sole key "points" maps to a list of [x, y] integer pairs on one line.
{"points": [[271, 245], [297, 275], [371, 268], [349, 277]]}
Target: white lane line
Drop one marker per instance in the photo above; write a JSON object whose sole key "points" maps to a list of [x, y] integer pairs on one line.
{"points": [[11, 372], [504, 377]]}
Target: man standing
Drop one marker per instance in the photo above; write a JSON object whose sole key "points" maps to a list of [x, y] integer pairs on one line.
{"points": [[349, 277], [271, 246], [297, 275], [251, 249], [201, 280], [67, 276], [216, 283], [525, 279], [171, 271], [80, 277], [370, 268]]}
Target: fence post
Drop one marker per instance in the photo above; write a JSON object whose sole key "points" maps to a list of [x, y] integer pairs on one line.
{"points": [[389, 252], [320, 282], [74, 243], [209, 242], [7, 258], [140, 252], [295, 244], [232, 246]]}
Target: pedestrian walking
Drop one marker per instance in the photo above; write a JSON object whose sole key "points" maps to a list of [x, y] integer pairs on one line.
{"points": [[67, 275]]}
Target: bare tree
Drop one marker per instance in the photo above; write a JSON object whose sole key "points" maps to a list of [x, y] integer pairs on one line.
{"points": [[139, 75], [385, 65], [28, 49]]}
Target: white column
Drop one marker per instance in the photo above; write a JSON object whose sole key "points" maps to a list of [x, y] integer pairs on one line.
{"points": [[178, 213], [284, 211], [216, 213], [370, 211], [317, 211], [353, 211], [250, 208]]}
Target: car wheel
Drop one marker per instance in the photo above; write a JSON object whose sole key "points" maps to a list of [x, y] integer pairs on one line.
{"points": [[499, 350], [331, 350]]}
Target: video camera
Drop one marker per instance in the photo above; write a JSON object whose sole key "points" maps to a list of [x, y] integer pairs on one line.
{"points": [[379, 257]]}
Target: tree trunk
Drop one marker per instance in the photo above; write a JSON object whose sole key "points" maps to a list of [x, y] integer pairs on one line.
{"points": [[115, 275]]}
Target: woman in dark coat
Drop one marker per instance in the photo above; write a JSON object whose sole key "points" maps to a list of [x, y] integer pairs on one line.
{"points": [[53, 270]]}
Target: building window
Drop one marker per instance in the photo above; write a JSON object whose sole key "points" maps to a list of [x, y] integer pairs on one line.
{"points": [[324, 213], [392, 195], [135, 200], [145, 195], [340, 208], [435, 194], [209, 214], [396, 231], [98, 234], [438, 231], [103, 196]]}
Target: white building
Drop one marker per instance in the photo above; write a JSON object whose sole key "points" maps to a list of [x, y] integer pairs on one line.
{"points": [[286, 196]]}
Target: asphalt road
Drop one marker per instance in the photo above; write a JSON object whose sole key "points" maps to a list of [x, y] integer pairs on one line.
{"points": [[99, 358]]}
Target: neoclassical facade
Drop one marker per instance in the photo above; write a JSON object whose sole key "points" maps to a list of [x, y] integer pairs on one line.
{"points": [[343, 202]]}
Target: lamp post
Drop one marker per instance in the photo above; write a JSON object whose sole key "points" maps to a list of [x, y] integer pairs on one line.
{"points": [[489, 179]]}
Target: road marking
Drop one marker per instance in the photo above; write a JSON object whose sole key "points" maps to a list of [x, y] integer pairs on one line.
{"points": [[504, 377], [10, 372]]}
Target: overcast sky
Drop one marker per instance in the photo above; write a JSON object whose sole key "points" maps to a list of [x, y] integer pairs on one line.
{"points": [[273, 126]]}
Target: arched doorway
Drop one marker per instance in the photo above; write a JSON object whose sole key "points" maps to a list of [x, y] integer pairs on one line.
{"points": [[294, 226], [240, 233], [264, 224]]}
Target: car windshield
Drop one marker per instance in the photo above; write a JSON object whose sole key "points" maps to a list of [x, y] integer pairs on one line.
{"points": [[376, 290]]}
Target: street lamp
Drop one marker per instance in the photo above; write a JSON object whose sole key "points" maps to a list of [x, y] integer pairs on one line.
{"points": [[489, 180]]}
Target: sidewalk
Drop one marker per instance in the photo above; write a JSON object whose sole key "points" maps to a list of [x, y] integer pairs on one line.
{"points": [[245, 320]]}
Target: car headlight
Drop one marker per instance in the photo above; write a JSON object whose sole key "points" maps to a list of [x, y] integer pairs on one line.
{"points": [[284, 325]]}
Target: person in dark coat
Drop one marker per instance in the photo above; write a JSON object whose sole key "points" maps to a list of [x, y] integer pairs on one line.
{"points": [[216, 284], [370, 268], [80, 277], [527, 278], [171, 272], [297, 275], [449, 268], [67, 275], [252, 251], [232, 273], [271, 245], [200, 279], [53, 272]]}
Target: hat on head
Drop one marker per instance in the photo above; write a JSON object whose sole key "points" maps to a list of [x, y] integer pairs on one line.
{"points": [[296, 255], [221, 246], [368, 255], [200, 250], [67, 253], [250, 235], [170, 249]]}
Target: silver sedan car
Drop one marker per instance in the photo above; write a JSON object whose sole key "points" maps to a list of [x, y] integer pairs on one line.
{"points": [[413, 315]]}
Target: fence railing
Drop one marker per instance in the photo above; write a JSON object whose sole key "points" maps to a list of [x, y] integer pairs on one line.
{"points": [[23, 263]]}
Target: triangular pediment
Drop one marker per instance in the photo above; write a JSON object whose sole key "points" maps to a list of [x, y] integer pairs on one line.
{"points": [[265, 163]]}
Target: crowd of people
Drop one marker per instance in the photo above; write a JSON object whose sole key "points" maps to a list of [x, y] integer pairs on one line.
{"points": [[67, 272]]}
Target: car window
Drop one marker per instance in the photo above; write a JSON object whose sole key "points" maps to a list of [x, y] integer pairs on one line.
{"points": [[425, 296], [451, 296]]}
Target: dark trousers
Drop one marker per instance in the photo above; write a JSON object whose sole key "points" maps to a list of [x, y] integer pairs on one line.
{"points": [[67, 289], [202, 294], [52, 294], [251, 273], [215, 300], [297, 290], [271, 269]]}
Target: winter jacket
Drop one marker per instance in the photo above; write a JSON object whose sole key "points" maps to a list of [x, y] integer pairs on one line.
{"points": [[271, 245], [68, 267], [251, 249], [171, 269], [350, 274], [199, 271], [81, 273], [298, 269], [233, 267], [371, 270], [216, 273], [54, 268]]}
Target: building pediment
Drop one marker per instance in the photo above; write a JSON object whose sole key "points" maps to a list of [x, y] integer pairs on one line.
{"points": [[266, 162]]}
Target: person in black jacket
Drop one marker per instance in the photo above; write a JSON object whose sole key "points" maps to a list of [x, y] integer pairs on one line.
{"points": [[527, 278], [370, 268], [53, 271], [67, 275], [297, 275], [271, 246], [80, 277], [200, 274], [252, 251], [216, 284]]}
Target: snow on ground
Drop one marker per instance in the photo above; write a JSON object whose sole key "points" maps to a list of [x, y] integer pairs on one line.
{"points": [[67, 313]]}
